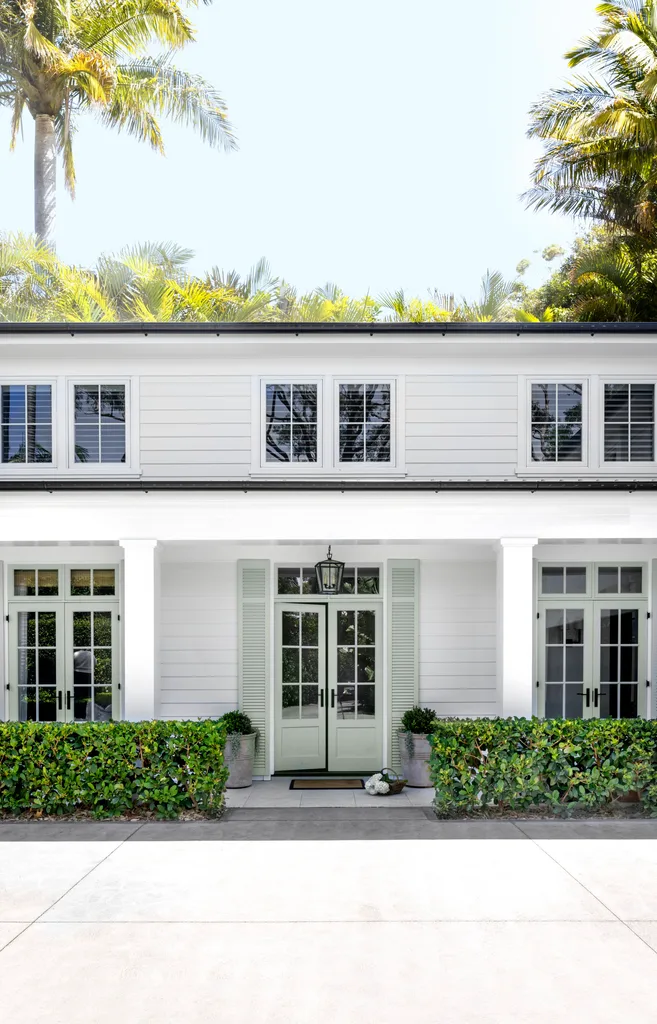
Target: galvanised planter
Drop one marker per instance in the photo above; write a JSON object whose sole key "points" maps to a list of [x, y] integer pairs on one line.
{"points": [[239, 754], [414, 753]]}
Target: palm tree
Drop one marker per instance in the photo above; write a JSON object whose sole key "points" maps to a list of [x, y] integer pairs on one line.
{"points": [[494, 303], [61, 60], [617, 283], [600, 129]]}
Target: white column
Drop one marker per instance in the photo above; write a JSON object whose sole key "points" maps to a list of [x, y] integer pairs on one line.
{"points": [[140, 600], [515, 626]]}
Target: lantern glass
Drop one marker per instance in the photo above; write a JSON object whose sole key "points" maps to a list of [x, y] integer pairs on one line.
{"points": [[329, 575]]}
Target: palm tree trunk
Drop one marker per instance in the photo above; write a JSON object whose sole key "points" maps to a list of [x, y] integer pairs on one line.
{"points": [[45, 177]]}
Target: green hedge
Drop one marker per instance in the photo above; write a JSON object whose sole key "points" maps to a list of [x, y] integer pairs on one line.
{"points": [[112, 769], [517, 764]]}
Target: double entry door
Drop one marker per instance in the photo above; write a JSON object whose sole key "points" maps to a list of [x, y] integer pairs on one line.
{"points": [[592, 659], [63, 662], [328, 687]]}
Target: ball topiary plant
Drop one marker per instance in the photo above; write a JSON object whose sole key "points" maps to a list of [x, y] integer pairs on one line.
{"points": [[418, 720], [237, 722]]}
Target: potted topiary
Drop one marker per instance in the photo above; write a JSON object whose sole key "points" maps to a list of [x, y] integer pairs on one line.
{"points": [[414, 746], [240, 749]]}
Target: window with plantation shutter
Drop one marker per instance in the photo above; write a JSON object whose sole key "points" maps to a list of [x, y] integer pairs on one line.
{"points": [[629, 423]]}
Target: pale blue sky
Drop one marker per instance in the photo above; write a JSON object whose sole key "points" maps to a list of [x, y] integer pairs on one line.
{"points": [[381, 145]]}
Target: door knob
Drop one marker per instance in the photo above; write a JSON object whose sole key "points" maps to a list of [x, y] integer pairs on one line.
{"points": [[321, 698], [586, 693], [68, 700], [332, 698], [59, 699]]}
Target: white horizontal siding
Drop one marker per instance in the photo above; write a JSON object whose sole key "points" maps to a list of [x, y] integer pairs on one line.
{"points": [[461, 426], [198, 639], [458, 638], [193, 427]]}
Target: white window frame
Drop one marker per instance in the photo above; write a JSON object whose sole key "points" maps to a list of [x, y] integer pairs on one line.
{"points": [[103, 469], [259, 421], [36, 468], [632, 467], [315, 598], [526, 465], [397, 419]]}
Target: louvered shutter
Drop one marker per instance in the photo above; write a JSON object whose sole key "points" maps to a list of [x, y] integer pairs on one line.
{"points": [[253, 643], [403, 589]]}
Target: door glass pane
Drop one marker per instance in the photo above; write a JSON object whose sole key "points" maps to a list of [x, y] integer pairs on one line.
{"points": [[554, 626], [554, 664], [346, 705], [574, 701], [346, 665], [564, 662], [290, 664], [80, 582], [36, 643], [291, 629], [366, 627], [608, 580], [300, 665], [310, 629], [554, 701], [24, 582], [574, 664], [309, 701], [365, 664], [628, 701], [356, 663], [365, 705], [309, 665], [346, 627], [290, 698], [92, 666], [619, 662]]}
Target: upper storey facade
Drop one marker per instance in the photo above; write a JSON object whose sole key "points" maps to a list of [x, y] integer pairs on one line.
{"points": [[351, 406]]}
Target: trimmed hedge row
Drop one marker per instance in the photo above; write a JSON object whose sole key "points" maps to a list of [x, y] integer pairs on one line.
{"points": [[117, 768], [559, 766]]}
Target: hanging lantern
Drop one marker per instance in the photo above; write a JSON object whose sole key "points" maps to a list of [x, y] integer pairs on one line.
{"points": [[329, 574]]}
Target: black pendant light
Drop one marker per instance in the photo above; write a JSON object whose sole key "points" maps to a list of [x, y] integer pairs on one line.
{"points": [[329, 574]]}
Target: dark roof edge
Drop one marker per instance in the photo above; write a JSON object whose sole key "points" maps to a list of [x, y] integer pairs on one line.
{"points": [[329, 328], [327, 485]]}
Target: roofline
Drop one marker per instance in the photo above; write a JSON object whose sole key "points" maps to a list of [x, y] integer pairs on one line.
{"points": [[436, 486], [230, 328]]}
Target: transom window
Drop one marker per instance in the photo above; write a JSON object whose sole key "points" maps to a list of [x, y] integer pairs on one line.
{"points": [[99, 422], [26, 423], [620, 579], [561, 579], [629, 423], [355, 580], [93, 583], [291, 423], [556, 423], [364, 430], [36, 582]]}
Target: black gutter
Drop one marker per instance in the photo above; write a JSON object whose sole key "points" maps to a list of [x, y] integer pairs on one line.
{"points": [[219, 328], [327, 485]]}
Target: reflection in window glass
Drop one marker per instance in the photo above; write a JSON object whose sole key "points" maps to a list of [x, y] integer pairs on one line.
{"points": [[37, 666], [364, 411], [623, 579], [356, 664], [25, 423], [99, 414], [563, 579], [92, 666], [36, 582], [291, 423], [556, 422]]}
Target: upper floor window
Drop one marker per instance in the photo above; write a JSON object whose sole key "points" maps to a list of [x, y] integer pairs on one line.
{"points": [[99, 416], [556, 424], [26, 423], [629, 423], [364, 423], [291, 422]]}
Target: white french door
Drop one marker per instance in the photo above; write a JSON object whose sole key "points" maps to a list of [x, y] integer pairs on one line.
{"points": [[565, 663], [63, 662], [619, 672], [328, 689]]}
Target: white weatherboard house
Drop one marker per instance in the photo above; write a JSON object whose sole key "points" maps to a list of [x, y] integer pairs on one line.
{"points": [[166, 494]]}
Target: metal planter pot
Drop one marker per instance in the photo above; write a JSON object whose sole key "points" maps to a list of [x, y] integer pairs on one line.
{"points": [[414, 753], [239, 754]]}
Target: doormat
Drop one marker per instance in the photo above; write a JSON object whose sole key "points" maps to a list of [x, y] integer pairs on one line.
{"points": [[327, 784]]}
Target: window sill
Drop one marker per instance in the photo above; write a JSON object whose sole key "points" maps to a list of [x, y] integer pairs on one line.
{"points": [[622, 470], [321, 474]]}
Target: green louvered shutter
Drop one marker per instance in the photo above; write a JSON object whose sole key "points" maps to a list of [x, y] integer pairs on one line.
{"points": [[403, 589], [253, 645]]}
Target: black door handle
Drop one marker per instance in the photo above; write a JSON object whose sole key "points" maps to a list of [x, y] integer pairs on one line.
{"points": [[68, 700], [586, 693], [332, 698], [321, 698], [597, 696], [59, 699]]}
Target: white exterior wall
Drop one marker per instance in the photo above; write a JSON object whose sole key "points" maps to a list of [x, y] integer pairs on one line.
{"points": [[457, 637], [198, 645]]}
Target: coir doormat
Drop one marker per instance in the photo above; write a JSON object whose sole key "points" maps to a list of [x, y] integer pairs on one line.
{"points": [[327, 784]]}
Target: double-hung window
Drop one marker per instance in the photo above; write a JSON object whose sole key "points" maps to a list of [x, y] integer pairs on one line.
{"points": [[556, 422], [26, 424], [364, 423], [291, 423], [99, 422], [629, 422]]}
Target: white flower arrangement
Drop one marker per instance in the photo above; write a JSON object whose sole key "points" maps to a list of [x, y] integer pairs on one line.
{"points": [[376, 785]]}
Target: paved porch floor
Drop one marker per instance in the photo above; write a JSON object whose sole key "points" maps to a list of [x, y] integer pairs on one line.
{"points": [[277, 793], [260, 919]]}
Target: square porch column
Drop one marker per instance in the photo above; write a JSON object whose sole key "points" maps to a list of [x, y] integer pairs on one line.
{"points": [[515, 626], [140, 600]]}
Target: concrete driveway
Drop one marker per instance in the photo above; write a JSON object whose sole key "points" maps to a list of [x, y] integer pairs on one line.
{"points": [[328, 914]]}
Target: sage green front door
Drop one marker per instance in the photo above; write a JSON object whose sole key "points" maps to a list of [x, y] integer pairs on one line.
{"points": [[300, 692], [329, 687], [356, 687]]}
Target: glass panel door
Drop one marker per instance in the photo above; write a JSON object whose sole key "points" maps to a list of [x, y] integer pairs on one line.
{"points": [[355, 686], [300, 689], [564, 661], [619, 674], [36, 671], [92, 664]]}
